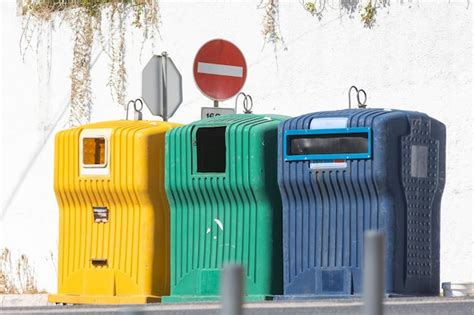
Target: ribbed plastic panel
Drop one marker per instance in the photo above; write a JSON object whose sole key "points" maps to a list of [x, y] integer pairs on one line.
{"points": [[124, 259], [233, 216], [327, 210], [420, 193]]}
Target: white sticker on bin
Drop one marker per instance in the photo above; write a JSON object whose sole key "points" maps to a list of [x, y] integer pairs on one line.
{"points": [[328, 123]]}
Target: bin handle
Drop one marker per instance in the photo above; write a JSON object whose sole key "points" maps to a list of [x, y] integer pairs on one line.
{"points": [[138, 110], [99, 261], [358, 91], [248, 103]]}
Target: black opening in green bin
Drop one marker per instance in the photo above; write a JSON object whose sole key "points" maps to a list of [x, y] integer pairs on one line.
{"points": [[211, 150]]}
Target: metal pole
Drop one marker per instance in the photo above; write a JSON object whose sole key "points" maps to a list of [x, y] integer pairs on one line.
{"points": [[165, 85], [232, 288], [374, 288], [216, 103]]}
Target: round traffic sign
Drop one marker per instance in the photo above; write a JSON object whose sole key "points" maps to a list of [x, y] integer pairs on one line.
{"points": [[219, 69]]}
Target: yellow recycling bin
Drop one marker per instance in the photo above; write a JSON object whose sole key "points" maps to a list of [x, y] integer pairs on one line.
{"points": [[113, 213]]}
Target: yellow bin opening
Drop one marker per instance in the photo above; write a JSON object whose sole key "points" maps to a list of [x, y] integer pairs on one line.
{"points": [[113, 213]]}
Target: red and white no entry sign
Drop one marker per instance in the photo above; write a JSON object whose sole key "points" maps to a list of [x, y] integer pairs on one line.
{"points": [[219, 69]]}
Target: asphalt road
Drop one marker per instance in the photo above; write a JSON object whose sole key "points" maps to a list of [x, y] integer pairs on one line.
{"points": [[405, 306]]}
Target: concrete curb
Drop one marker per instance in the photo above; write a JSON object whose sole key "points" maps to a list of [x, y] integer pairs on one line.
{"points": [[12, 300], [38, 304]]}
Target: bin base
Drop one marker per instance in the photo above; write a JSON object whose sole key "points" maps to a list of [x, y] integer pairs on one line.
{"points": [[210, 298], [334, 296], [313, 297], [102, 299]]}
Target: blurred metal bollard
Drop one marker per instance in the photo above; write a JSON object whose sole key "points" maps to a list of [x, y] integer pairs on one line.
{"points": [[232, 289], [374, 265]]}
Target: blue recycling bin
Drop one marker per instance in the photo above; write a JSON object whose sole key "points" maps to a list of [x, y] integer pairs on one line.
{"points": [[343, 172]]}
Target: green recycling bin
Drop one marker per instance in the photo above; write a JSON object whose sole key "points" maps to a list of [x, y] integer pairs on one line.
{"points": [[225, 205]]}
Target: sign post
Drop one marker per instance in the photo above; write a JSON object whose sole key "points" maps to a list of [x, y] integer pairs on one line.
{"points": [[219, 71]]}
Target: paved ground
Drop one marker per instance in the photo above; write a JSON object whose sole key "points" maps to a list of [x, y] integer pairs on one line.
{"points": [[405, 306]]}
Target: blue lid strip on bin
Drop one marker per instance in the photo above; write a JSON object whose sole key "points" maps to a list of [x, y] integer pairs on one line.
{"points": [[338, 156]]}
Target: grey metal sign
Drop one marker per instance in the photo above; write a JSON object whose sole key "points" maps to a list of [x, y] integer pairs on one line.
{"points": [[162, 88], [208, 112]]}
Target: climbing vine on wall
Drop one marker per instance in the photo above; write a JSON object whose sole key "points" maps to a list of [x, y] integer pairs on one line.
{"points": [[366, 8], [271, 21], [102, 21]]}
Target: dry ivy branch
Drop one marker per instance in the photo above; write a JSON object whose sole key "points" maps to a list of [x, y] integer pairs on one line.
{"points": [[86, 19], [118, 75], [368, 10], [314, 7], [7, 281], [271, 22], [368, 14], [25, 274], [16, 280], [80, 101]]}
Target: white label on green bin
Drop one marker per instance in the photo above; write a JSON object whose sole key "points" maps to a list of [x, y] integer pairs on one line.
{"points": [[209, 112]]}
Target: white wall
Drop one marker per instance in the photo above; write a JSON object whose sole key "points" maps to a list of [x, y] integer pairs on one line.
{"points": [[417, 57]]}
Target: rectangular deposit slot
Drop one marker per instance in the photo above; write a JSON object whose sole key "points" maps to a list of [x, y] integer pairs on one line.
{"points": [[328, 144], [211, 150], [94, 152]]}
